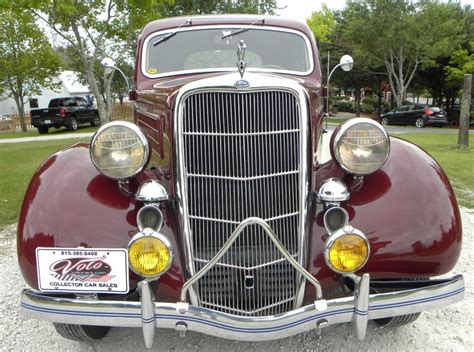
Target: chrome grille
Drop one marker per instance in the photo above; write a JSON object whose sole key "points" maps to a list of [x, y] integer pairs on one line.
{"points": [[242, 159]]}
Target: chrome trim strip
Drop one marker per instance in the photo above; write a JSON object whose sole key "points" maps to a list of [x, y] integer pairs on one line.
{"points": [[227, 69], [112, 313], [231, 240], [258, 83]]}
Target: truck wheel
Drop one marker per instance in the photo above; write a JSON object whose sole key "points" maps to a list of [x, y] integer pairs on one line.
{"points": [[43, 130], [81, 332], [384, 121], [420, 122], [72, 125], [95, 121]]}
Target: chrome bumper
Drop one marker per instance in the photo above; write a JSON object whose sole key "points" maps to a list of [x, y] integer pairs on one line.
{"points": [[183, 317]]}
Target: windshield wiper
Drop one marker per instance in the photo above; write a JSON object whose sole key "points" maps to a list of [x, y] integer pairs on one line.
{"points": [[241, 30], [172, 34]]}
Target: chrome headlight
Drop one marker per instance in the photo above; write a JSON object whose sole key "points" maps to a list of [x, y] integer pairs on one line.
{"points": [[119, 150], [361, 146]]}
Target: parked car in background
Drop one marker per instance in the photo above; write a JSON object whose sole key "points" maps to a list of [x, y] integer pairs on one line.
{"points": [[415, 114], [67, 111], [215, 212]]}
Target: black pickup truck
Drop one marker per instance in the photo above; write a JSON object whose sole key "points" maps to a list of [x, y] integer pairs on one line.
{"points": [[67, 111]]}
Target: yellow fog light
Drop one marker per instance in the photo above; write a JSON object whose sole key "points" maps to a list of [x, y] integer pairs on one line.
{"points": [[149, 253], [347, 250]]}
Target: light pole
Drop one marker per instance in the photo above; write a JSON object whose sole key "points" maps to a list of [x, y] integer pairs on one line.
{"points": [[346, 63]]}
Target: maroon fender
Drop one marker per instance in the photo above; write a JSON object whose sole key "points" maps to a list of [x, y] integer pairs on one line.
{"points": [[70, 204], [407, 210]]}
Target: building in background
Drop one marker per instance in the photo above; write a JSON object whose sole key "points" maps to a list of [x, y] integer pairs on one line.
{"points": [[69, 84]]}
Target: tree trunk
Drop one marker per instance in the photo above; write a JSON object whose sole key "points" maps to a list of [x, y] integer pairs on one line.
{"points": [[20, 106], [463, 137], [357, 98], [108, 94]]}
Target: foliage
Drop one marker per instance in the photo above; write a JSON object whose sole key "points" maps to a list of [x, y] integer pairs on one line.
{"points": [[201, 7], [402, 35], [27, 60], [323, 24], [93, 30]]}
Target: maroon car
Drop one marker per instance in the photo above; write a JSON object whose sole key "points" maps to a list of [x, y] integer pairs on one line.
{"points": [[214, 211]]}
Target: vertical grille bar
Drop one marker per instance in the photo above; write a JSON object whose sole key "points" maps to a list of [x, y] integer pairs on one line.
{"points": [[242, 159]]}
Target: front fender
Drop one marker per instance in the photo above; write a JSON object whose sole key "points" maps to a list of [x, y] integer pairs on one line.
{"points": [[70, 204], [407, 210]]}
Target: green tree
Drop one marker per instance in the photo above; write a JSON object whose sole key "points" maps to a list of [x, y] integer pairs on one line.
{"points": [[91, 28], [200, 7], [403, 35], [27, 60]]}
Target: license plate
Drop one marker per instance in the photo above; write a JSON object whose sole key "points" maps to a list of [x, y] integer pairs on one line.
{"points": [[87, 270], [47, 121]]}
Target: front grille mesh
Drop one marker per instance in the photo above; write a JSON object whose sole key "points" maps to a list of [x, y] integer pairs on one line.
{"points": [[242, 159]]}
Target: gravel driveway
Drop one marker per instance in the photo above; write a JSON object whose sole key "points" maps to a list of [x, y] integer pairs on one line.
{"points": [[448, 329]]}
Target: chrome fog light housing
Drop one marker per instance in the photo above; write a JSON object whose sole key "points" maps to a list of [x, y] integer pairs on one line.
{"points": [[361, 146], [347, 250], [119, 150], [150, 254], [150, 216]]}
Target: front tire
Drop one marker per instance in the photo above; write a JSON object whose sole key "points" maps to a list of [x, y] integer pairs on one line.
{"points": [[72, 125], [384, 122], [397, 321], [420, 123], [95, 121], [83, 333], [42, 129]]}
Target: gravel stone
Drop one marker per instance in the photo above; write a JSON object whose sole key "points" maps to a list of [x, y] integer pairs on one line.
{"points": [[437, 330]]}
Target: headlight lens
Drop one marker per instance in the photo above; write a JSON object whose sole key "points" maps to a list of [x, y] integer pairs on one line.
{"points": [[149, 255], [361, 146], [119, 150], [347, 252]]}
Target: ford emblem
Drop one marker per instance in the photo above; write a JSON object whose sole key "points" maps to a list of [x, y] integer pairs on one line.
{"points": [[242, 83]]}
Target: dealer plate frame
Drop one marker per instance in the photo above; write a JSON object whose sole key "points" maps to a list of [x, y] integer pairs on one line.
{"points": [[82, 270]]}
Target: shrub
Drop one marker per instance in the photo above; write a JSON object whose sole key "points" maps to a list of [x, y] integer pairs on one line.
{"points": [[346, 106], [367, 108]]}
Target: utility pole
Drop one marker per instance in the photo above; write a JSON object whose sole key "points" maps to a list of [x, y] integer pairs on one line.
{"points": [[463, 137]]}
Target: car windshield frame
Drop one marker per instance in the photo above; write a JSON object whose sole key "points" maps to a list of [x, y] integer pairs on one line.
{"points": [[144, 51]]}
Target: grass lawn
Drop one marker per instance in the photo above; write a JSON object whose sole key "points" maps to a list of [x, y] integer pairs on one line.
{"points": [[52, 131], [18, 162], [458, 165]]}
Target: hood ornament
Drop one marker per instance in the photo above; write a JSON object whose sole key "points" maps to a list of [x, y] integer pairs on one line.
{"points": [[241, 64]]}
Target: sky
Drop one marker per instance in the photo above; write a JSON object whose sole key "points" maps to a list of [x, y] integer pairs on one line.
{"points": [[302, 9]]}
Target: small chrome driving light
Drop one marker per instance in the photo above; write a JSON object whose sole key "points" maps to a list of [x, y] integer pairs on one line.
{"points": [[347, 250], [361, 146], [151, 191], [150, 216], [333, 191], [119, 150], [150, 254]]}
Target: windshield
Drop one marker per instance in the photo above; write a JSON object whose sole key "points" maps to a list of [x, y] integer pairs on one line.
{"points": [[205, 50]]}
